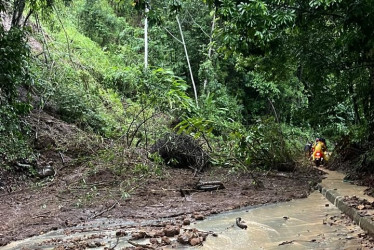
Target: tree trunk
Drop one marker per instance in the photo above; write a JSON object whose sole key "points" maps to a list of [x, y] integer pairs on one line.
{"points": [[371, 105], [146, 36], [188, 60], [18, 8], [210, 44], [355, 105]]}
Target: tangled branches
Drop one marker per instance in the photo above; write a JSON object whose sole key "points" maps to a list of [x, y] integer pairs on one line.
{"points": [[181, 151]]}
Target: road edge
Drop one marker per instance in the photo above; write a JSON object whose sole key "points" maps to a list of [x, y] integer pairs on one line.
{"points": [[338, 200]]}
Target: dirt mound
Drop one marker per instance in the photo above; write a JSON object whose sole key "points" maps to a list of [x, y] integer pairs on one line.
{"points": [[52, 134]]}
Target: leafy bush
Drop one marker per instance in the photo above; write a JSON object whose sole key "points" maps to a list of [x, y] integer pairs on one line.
{"points": [[266, 146], [166, 90], [13, 62], [14, 73], [99, 22], [94, 109], [126, 81], [14, 135]]}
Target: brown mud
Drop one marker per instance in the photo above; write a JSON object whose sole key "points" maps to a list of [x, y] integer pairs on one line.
{"points": [[82, 190], [34, 210]]}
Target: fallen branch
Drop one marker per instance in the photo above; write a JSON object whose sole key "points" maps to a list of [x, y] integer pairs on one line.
{"points": [[62, 158], [173, 190], [175, 215], [140, 245], [210, 185], [204, 232], [21, 165], [114, 247], [286, 243], [41, 215], [104, 211]]}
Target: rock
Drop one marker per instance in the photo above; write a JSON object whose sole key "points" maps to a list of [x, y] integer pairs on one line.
{"points": [[84, 243], [192, 237], [240, 223], [91, 245], [183, 239], [165, 240], [186, 222], [121, 233], [99, 244], [46, 171], [4, 241], [154, 241], [195, 241], [156, 233], [170, 231], [138, 235], [368, 206], [199, 216]]}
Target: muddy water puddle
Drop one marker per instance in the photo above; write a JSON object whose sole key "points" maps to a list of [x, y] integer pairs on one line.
{"points": [[309, 223], [335, 180]]}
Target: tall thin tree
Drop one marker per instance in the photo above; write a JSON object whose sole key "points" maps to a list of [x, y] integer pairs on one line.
{"points": [[146, 35], [188, 60]]}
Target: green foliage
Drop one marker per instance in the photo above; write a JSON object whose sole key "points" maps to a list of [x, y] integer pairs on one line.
{"points": [[92, 108], [13, 62], [2, 5], [82, 85], [249, 27], [359, 133], [99, 22], [264, 146], [14, 136], [14, 73], [306, 64], [167, 90], [159, 92], [44, 6], [197, 126], [126, 81]]}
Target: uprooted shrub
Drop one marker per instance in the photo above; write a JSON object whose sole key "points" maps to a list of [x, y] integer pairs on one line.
{"points": [[183, 151]]}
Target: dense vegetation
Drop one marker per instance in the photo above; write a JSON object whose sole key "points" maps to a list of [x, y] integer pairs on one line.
{"points": [[253, 80]]}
